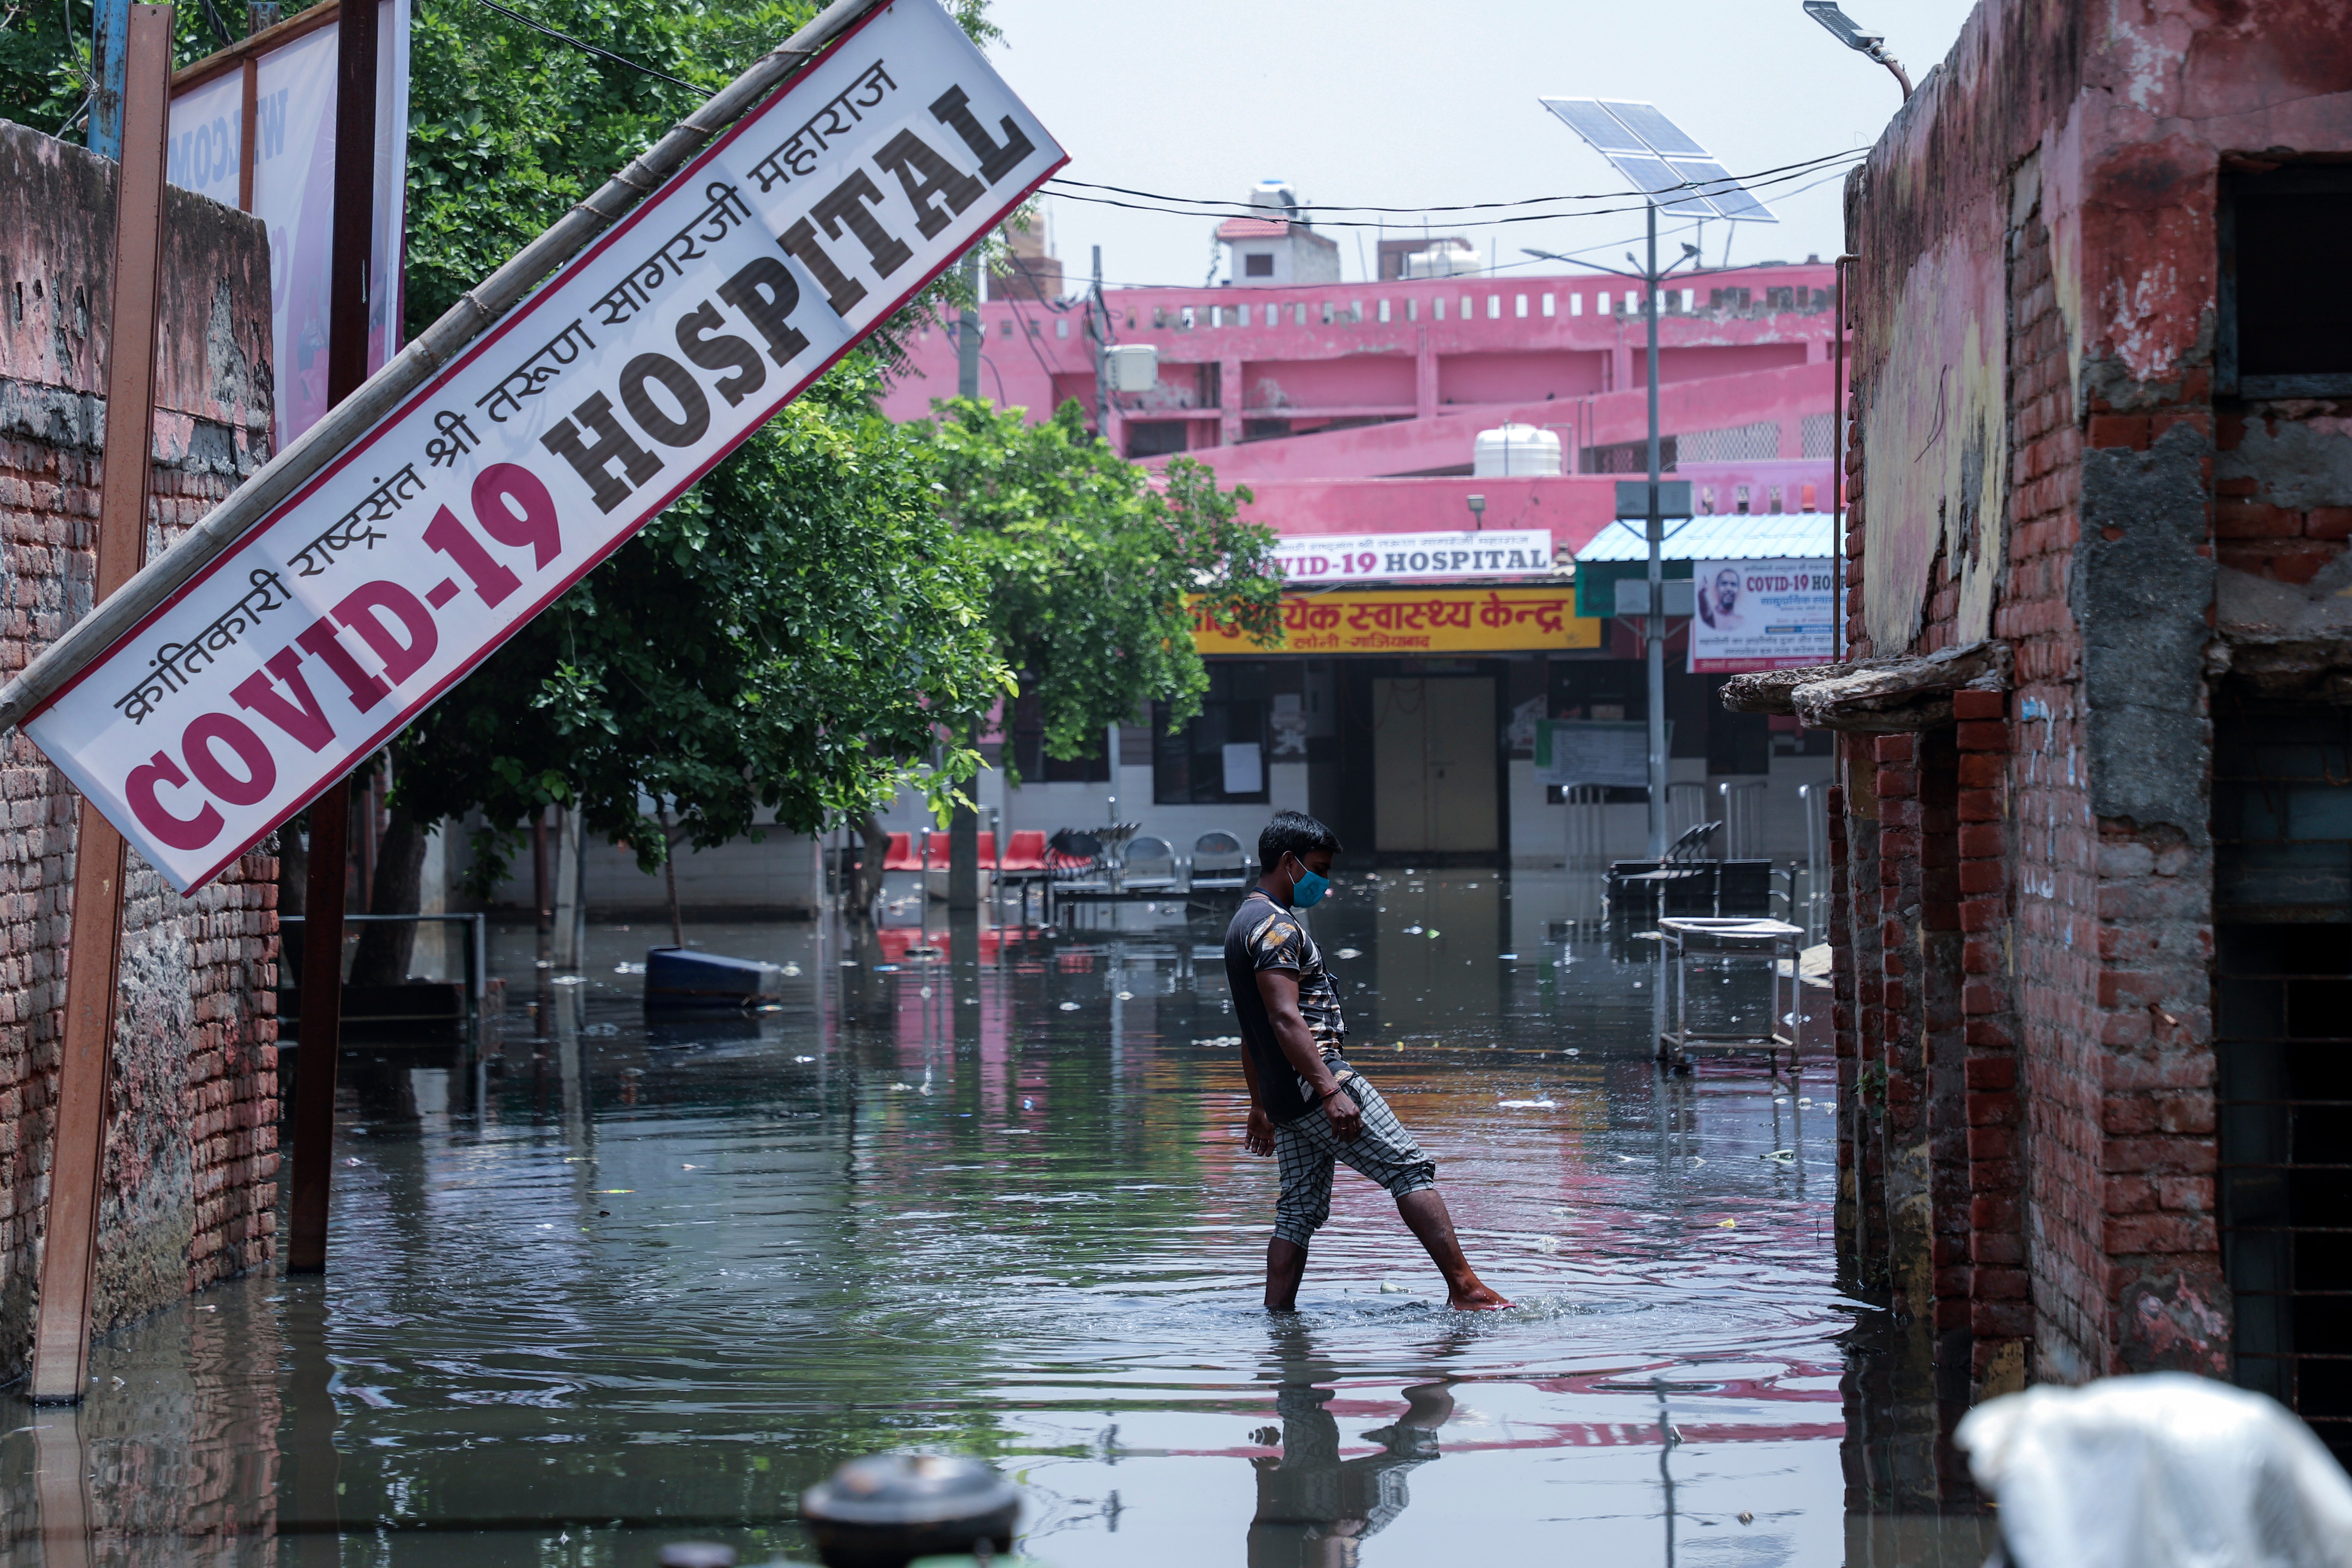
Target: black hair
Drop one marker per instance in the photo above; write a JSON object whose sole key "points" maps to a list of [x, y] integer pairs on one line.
{"points": [[1293, 833]]}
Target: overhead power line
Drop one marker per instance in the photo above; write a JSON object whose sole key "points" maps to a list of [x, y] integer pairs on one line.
{"points": [[1242, 209], [1797, 172]]}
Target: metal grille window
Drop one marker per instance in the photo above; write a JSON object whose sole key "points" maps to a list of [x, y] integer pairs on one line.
{"points": [[2282, 1036], [1760, 442]]}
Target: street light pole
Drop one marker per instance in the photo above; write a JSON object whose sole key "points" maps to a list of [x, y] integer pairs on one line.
{"points": [[1660, 764], [1655, 527]]}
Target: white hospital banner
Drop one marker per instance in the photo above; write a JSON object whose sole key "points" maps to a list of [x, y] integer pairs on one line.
{"points": [[1356, 557], [1760, 615], [293, 190], [467, 510]]}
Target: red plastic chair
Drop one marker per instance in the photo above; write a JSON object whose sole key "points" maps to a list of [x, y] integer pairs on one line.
{"points": [[939, 851], [1026, 852], [901, 857]]}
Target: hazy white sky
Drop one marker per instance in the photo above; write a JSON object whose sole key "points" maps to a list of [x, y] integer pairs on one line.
{"points": [[1398, 105]]}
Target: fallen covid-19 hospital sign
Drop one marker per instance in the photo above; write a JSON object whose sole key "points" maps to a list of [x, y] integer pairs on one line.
{"points": [[468, 509]]}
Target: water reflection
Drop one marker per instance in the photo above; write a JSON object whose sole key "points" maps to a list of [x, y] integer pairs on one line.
{"points": [[1315, 1506], [617, 1281]]}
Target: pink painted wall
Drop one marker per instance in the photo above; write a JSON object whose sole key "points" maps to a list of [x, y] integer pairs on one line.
{"points": [[1573, 509], [1525, 376], [1493, 355]]}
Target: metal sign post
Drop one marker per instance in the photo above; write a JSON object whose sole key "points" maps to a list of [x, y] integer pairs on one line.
{"points": [[325, 894], [78, 1151], [963, 828]]}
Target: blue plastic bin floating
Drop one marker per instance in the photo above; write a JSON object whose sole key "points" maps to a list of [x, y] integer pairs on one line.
{"points": [[678, 977]]}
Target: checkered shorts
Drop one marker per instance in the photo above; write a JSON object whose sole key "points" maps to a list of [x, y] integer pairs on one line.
{"points": [[1306, 1152]]}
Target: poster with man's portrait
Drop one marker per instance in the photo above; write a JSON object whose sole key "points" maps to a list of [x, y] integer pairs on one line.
{"points": [[1759, 615]]}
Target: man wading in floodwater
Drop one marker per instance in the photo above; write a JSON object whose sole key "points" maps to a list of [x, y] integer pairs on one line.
{"points": [[1307, 1107]]}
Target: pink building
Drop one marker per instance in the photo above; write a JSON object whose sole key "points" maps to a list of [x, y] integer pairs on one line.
{"points": [[1355, 408]]}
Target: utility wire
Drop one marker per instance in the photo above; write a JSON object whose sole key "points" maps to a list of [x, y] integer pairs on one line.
{"points": [[1475, 223], [1244, 209], [590, 48]]}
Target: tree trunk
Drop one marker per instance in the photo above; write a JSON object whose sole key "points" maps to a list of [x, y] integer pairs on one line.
{"points": [[869, 881], [386, 947]]}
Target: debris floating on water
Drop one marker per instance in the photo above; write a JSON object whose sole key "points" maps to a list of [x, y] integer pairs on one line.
{"points": [[1349, 953], [1526, 1105], [1784, 1155], [1069, 1007], [1390, 1287]]}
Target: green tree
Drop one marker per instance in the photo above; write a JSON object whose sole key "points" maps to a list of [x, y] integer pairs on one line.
{"points": [[1095, 574], [793, 634]]}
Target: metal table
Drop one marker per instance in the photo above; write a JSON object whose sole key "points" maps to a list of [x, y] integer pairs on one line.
{"points": [[1703, 962]]}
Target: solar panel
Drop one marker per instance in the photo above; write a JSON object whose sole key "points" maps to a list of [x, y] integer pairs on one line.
{"points": [[1658, 159]]}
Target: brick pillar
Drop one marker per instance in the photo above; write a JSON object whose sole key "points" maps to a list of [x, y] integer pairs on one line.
{"points": [[1942, 1052], [1862, 1103], [1844, 1044], [1902, 1006], [2000, 1309]]}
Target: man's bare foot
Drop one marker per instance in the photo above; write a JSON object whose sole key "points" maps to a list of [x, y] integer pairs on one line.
{"points": [[1476, 1298]]}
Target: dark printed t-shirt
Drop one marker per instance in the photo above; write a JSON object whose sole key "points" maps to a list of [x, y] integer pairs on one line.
{"points": [[1265, 935]]}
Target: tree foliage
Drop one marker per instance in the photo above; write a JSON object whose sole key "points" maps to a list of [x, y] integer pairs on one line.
{"points": [[1090, 567], [793, 633]]}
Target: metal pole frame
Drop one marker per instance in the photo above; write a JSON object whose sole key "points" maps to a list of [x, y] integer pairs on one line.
{"points": [[350, 260], [77, 1143], [1654, 632], [963, 823]]}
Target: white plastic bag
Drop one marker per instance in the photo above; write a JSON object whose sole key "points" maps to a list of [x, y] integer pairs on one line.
{"points": [[2162, 1471]]}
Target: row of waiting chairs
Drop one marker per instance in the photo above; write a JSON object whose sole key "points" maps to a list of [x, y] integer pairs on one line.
{"points": [[1025, 852], [1124, 861]]}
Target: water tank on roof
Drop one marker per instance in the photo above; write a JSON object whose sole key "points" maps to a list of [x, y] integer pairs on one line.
{"points": [[1447, 258], [1516, 451]]}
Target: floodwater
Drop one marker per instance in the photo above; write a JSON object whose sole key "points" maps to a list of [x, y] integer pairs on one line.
{"points": [[610, 1284]]}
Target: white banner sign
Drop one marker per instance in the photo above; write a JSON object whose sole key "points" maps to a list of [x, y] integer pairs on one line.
{"points": [[1760, 615], [404, 562], [1593, 752], [293, 190], [1342, 557]]}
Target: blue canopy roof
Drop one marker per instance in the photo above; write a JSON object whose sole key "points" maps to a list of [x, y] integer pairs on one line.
{"points": [[1729, 536]]}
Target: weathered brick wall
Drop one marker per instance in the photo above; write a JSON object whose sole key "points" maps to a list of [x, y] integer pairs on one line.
{"points": [[2034, 298], [192, 1150]]}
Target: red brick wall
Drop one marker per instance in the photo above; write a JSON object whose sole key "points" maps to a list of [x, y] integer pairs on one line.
{"points": [[2085, 160], [192, 1139]]}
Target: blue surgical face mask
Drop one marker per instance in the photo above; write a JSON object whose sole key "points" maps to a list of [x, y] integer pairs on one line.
{"points": [[1308, 891]]}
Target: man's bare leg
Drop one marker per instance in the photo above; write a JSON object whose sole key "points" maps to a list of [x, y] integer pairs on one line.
{"points": [[1424, 1214], [1286, 1266]]}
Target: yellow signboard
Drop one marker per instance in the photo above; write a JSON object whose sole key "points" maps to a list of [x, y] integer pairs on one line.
{"points": [[1426, 620]]}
